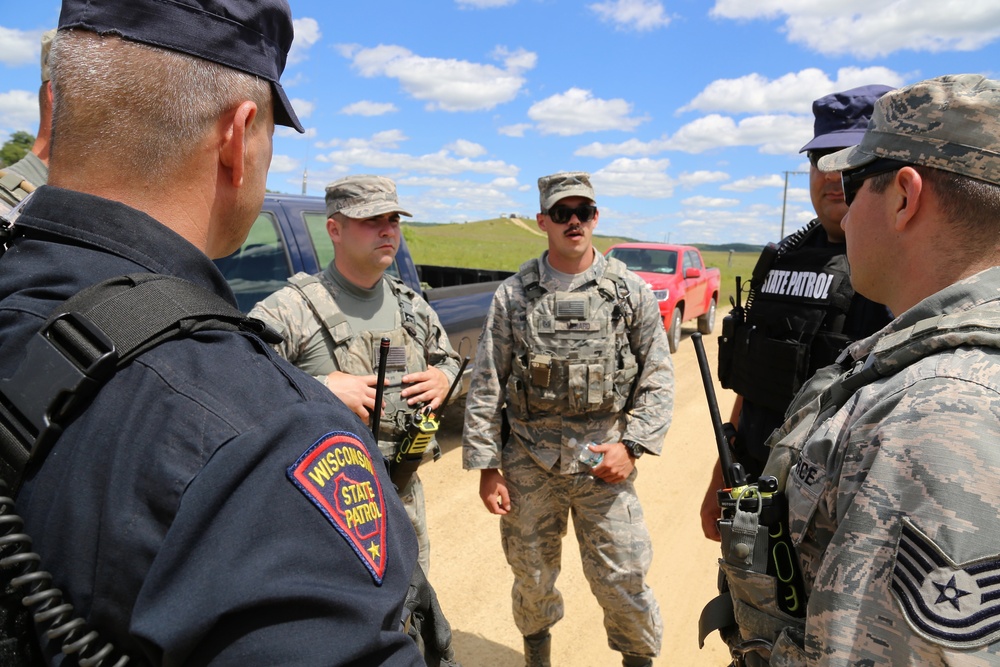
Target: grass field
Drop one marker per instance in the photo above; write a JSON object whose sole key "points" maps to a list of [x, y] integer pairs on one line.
{"points": [[505, 244]]}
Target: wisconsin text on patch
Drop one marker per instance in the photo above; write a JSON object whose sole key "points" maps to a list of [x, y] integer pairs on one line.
{"points": [[337, 475]]}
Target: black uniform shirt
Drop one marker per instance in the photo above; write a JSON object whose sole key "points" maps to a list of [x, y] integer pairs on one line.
{"points": [[187, 513], [864, 317]]}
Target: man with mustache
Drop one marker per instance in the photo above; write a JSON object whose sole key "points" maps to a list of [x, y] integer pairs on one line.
{"points": [[333, 322], [574, 346]]}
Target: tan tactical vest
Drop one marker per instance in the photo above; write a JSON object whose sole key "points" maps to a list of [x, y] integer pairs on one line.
{"points": [[13, 188], [357, 353], [573, 356]]}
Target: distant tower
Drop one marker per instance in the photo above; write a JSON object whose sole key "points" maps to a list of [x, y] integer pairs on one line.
{"points": [[305, 179]]}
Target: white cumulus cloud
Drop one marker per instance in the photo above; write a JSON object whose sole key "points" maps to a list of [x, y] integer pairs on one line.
{"points": [[368, 108], [19, 110], [20, 47], [281, 164], [638, 15], [379, 152], [516, 130], [303, 108], [709, 202], [307, 33], [871, 29], [446, 83], [794, 92], [577, 111], [774, 134], [643, 178], [752, 183], [466, 148]]}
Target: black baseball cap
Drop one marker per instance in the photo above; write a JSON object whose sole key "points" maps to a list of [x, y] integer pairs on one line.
{"points": [[251, 36], [842, 118]]}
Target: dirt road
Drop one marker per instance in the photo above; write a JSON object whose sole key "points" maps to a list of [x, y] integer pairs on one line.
{"points": [[473, 580]]}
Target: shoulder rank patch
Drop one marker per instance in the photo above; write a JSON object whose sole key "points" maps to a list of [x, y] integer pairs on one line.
{"points": [[338, 476], [949, 604]]}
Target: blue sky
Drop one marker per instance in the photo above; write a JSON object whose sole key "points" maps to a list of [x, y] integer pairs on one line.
{"points": [[687, 113]]}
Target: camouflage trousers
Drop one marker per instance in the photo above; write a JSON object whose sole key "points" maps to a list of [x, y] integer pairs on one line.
{"points": [[412, 496], [615, 548]]}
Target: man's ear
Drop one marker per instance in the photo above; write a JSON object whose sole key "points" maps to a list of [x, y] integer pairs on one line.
{"points": [[233, 147], [540, 219], [333, 229], [910, 191]]}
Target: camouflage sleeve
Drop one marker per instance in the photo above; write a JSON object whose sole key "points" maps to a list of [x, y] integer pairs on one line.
{"points": [[481, 435], [437, 347], [288, 313], [653, 399], [900, 495]]}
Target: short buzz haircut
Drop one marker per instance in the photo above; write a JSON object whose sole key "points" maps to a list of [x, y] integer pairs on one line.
{"points": [[147, 107]]}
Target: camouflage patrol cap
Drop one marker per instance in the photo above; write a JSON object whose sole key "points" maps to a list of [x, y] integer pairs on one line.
{"points": [[362, 196], [949, 123], [564, 184], [46, 48]]}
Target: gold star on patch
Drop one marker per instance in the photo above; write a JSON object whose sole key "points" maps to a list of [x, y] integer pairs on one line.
{"points": [[374, 551]]}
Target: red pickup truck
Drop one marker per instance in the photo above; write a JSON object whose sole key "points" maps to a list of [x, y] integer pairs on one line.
{"points": [[683, 285]]}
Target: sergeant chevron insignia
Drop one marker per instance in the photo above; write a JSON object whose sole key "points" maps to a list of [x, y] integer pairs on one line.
{"points": [[336, 473], [955, 605]]}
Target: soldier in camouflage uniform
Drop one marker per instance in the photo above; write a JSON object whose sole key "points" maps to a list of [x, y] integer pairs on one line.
{"points": [[890, 466], [333, 322], [574, 345], [22, 177]]}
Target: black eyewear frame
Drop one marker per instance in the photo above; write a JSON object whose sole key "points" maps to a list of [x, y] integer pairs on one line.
{"points": [[853, 179], [563, 214]]}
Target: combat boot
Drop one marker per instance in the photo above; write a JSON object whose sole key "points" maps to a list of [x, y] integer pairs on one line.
{"points": [[629, 660], [537, 648]]}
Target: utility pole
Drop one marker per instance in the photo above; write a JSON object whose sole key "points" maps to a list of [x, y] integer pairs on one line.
{"points": [[784, 200]]}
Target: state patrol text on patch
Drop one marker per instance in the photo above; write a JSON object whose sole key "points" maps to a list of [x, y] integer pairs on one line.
{"points": [[956, 605], [336, 473]]}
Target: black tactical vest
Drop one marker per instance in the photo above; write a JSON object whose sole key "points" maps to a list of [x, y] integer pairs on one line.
{"points": [[793, 321]]}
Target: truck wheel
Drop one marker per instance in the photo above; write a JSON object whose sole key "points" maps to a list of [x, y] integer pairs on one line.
{"points": [[706, 323], [674, 333]]}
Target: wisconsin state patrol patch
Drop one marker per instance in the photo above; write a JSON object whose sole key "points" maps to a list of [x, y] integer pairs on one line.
{"points": [[949, 604], [338, 476]]}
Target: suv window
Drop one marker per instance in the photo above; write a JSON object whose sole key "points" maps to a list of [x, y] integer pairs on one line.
{"points": [[260, 266]]}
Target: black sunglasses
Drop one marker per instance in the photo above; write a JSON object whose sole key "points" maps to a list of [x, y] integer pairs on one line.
{"points": [[562, 214], [853, 180]]}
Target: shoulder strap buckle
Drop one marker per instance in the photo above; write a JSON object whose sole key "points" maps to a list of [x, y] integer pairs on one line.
{"points": [[75, 358]]}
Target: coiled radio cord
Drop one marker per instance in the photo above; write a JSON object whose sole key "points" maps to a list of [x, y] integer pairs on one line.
{"points": [[20, 568]]}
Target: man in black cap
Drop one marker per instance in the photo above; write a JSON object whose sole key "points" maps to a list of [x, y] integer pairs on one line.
{"points": [[801, 310], [212, 504]]}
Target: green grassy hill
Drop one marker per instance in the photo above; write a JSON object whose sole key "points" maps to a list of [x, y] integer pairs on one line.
{"points": [[502, 243], [505, 243]]}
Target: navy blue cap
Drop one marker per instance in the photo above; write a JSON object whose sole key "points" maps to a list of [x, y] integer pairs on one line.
{"points": [[251, 36], [842, 118]]}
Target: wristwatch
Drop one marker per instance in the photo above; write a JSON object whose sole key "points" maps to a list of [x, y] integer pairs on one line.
{"points": [[634, 448]]}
